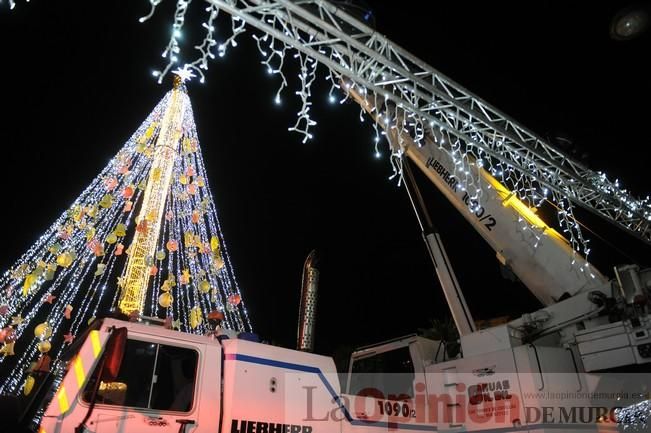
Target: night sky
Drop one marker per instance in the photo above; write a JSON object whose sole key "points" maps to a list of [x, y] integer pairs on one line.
{"points": [[77, 82]]}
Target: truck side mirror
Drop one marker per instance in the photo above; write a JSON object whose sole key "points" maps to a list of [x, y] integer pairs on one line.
{"points": [[114, 354]]}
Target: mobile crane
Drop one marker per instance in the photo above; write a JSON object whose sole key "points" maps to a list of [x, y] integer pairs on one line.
{"points": [[137, 376]]}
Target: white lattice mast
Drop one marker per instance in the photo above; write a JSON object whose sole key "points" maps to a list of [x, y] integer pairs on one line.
{"points": [[149, 221]]}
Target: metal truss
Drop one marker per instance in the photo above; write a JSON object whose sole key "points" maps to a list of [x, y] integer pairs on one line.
{"points": [[367, 60]]}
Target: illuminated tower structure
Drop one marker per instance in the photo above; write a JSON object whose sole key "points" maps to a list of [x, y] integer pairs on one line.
{"points": [[143, 238], [149, 220]]}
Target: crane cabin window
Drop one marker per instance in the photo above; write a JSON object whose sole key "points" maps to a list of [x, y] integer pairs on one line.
{"points": [[152, 376], [390, 374]]}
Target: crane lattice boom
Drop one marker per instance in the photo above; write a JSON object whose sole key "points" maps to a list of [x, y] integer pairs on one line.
{"points": [[373, 63]]}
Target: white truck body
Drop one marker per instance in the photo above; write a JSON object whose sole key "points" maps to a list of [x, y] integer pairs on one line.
{"points": [[240, 386]]}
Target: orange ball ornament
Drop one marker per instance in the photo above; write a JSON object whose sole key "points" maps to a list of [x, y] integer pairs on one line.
{"points": [[234, 299], [128, 192], [172, 245]]}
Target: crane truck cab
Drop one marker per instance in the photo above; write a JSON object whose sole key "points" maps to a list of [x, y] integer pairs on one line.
{"points": [[140, 377]]}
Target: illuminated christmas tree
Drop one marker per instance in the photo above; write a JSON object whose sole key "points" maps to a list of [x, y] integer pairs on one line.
{"points": [[143, 239]]}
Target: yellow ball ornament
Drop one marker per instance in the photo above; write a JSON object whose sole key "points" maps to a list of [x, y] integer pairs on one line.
{"points": [[44, 346], [204, 286], [111, 238], [43, 331], [165, 300]]}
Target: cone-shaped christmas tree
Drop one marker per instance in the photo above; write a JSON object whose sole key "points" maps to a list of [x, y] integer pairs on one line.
{"points": [[143, 238]]}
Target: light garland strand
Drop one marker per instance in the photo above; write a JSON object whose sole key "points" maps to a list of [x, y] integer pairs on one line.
{"points": [[307, 77], [172, 51], [206, 46], [634, 417]]}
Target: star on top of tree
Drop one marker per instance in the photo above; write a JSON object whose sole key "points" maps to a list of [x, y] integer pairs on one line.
{"points": [[185, 73]]}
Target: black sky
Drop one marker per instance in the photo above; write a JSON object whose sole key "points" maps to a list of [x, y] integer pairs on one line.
{"points": [[77, 82]]}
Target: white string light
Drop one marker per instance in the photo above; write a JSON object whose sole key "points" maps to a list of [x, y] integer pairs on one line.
{"points": [[206, 46], [634, 417], [307, 75], [173, 49], [270, 54]]}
